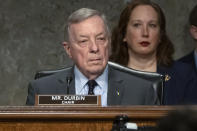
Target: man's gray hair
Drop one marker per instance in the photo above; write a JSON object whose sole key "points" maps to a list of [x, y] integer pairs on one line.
{"points": [[83, 14]]}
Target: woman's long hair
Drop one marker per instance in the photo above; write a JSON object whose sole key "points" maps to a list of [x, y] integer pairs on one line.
{"points": [[119, 50]]}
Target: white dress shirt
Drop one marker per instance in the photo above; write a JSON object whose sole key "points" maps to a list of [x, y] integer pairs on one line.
{"points": [[81, 86]]}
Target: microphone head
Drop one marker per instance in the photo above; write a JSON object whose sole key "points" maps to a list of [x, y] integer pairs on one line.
{"points": [[68, 79]]}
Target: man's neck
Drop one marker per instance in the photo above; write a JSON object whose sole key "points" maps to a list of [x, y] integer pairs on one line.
{"points": [[91, 76]]}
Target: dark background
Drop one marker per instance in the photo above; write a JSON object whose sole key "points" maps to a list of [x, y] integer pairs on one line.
{"points": [[31, 32]]}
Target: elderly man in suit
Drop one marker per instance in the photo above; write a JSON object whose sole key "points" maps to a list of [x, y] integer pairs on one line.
{"points": [[88, 47]]}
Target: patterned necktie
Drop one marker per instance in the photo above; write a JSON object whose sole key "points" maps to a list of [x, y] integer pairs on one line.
{"points": [[91, 85]]}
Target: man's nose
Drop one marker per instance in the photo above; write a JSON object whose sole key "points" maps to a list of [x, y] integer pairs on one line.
{"points": [[93, 46]]}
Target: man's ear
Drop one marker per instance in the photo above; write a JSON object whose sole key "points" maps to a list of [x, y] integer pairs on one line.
{"points": [[67, 48], [193, 31]]}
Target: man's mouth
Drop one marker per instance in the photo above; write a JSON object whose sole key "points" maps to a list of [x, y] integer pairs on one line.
{"points": [[95, 60]]}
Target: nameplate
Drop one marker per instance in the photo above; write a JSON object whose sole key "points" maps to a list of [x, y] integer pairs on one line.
{"points": [[76, 100]]}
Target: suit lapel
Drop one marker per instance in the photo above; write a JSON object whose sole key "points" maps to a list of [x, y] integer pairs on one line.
{"points": [[193, 60], [115, 87]]}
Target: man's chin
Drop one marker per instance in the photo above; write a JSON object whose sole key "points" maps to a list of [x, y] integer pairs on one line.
{"points": [[96, 70]]}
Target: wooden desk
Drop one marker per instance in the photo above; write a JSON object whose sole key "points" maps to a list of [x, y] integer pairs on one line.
{"points": [[61, 118]]}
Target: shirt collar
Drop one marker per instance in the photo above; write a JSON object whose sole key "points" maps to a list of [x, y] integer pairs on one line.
{"points": [[195, 57], [80, 78], [102, 80]]}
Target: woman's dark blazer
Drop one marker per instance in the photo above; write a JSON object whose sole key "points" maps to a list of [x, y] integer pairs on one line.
{"points": [[180, 86]]}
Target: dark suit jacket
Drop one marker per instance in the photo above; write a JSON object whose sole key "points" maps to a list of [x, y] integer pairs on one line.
{"points": [[132, 90], [180, 86]]}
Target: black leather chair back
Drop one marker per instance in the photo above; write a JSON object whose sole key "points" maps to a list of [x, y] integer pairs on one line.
{"points": [[44, 73], [155, 78]]}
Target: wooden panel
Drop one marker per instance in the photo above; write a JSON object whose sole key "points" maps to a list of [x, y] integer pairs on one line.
{"points": [[41, 118], [59, 126]]}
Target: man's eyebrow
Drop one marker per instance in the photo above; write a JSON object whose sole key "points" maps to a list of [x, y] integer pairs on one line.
{"points": [[83, 36], [102, 33]]}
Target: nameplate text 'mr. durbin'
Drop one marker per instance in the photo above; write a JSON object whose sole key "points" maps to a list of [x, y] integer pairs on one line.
{"points": [[75, 100]]}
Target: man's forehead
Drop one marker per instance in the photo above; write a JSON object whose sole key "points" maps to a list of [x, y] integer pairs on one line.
{"points": [[86, 29], [92, 19], [96, 34]]}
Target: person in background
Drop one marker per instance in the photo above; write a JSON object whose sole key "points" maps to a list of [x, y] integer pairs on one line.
{"points": [[140, 42], [178, 120], [191, 58], [88, 46]]}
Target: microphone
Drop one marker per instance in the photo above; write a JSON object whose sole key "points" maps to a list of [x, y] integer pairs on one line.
{"points": [[119, 123], [68, 80]]}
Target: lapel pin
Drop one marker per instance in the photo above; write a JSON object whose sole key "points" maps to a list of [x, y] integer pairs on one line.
{"points": [[167, 77], [118, 93]]}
